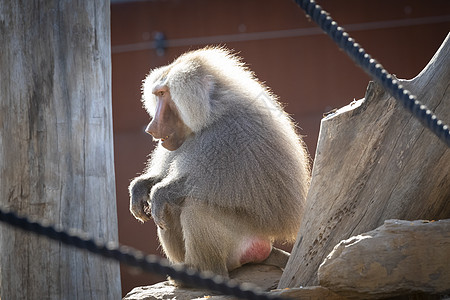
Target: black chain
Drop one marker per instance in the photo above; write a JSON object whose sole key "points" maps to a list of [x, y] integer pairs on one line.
{"points": [[375, 70], [135, 258]]}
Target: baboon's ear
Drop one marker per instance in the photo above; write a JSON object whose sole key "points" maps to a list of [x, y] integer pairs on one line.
{"points": [[209, 82]]}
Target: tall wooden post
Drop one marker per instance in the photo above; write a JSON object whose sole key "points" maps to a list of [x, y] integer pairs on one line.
{"points": [[56, 147]]}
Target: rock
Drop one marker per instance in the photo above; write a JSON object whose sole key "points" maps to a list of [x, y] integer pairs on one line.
{"points": [[308, 293], [398, 258], [264, 277], [164, 290]]}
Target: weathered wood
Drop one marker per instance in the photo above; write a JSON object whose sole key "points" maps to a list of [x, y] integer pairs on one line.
{"points": [[56, 148], [374, 161], [400, 257], [308, 293]]}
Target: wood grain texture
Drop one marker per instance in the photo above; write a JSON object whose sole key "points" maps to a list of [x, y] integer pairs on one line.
{"points": [[374, 161], [56, 147]]}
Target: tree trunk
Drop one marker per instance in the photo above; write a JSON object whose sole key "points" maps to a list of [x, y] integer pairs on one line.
{"points": [[56, 147], [374, 161]]}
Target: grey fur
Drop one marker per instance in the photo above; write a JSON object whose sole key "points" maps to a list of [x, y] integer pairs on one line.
{"points": [[244, 157]]}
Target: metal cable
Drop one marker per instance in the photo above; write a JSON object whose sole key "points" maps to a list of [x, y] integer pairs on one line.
{"points": [[375, 70], [135, 258]]}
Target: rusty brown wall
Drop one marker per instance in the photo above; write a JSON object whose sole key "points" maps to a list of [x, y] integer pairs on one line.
{"points": [[307, 71]]}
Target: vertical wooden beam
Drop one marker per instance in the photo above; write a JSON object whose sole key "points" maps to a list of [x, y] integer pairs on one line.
{"points": [[56, 146]]}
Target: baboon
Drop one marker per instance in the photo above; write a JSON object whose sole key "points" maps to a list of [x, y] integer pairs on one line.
{"points": [[229, 175]]}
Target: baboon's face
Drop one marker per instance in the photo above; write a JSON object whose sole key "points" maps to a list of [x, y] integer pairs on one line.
{"points": [[167, 124]]}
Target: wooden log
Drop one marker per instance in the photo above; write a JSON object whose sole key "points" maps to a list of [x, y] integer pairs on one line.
{"points": [[56, 146], [374, 161], [398, 258]]}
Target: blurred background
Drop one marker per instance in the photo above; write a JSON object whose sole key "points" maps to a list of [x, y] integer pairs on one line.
{"points": [[279, 43]]}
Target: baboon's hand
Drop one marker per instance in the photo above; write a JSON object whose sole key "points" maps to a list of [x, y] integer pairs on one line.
{"points": [[139, 198], [163, 194], [158, 212]]}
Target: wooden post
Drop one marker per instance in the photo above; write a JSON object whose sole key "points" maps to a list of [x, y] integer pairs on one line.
{"points": [[56, 147], [374, 161]]}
